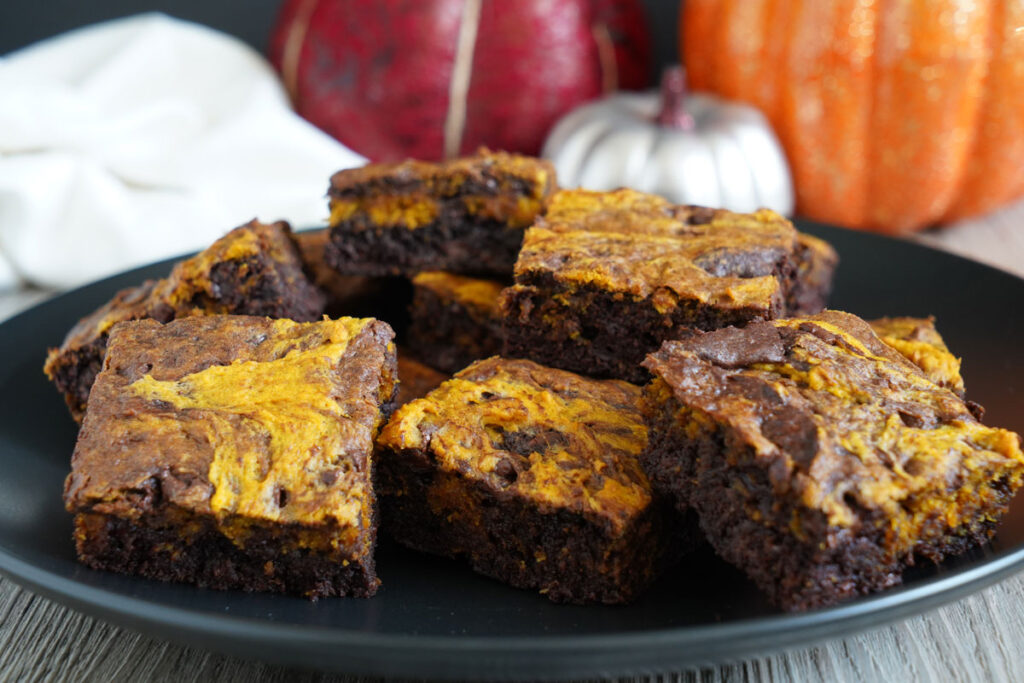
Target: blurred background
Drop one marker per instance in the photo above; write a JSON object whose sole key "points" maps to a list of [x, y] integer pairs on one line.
{"points": [[25, 22], [152, 137]]}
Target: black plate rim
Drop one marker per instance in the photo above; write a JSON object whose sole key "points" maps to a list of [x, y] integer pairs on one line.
{"points": [[551, 655]]}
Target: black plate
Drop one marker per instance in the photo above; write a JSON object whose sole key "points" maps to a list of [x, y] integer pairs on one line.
{"points": [[434, 617]]}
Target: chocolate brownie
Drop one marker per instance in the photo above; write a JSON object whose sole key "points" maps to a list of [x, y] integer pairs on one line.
{"points": [[455, 319], [819, 460], [465, 215], [919, 341], [415, 380], [253, 270], [532, 475], [235, 452], [605, 277]]}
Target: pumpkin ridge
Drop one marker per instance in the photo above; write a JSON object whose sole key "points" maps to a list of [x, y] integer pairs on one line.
{"points": [[973, 127], [605, 57], [978, 190], [644, 179], [773, 61], [732, 181], [862, 215], [459, 78], [595, 144], [295, 40]]}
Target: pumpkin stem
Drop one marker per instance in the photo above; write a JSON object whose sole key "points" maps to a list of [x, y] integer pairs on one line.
{"points": [[673, 113]]}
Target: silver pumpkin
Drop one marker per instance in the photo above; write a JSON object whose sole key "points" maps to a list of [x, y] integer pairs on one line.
{"points": [[689, 148]]}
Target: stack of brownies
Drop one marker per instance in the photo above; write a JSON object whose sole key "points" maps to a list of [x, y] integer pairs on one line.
{"points": [[587, 385]]}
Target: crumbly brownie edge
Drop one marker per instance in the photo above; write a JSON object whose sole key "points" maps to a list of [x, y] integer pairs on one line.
{"points": [[670, 458], [695, 465], [73, 372], [794, 575], [73, 366], [211, 560], [448, 336], [563, 555], [282, 291], [831, 564], [811, 283], [593, 332], [693, 469], [388, 379], [454, 242]]}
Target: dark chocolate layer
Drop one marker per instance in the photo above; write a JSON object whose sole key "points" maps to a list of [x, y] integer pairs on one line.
{"points": [[820, 460], [454, 242], [568, 557], [596, 332], [209, 560]]}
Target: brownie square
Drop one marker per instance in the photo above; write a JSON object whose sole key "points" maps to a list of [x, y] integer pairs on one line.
{"points": [[819, 460], [532, 475], [605, 277], [919, 341], [253, 270], [456, 319], [464, 215], [235, 452]]}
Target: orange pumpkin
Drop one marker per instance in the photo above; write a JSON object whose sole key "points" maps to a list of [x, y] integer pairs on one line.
{"points": [[895, 114]]}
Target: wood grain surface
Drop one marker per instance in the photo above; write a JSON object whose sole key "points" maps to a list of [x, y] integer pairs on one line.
{"points": [[980, 638]]}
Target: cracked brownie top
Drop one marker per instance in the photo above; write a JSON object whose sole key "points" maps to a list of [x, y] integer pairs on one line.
{"points": [[641, 245], [494, 185], [919, 341], [561, 440], [247, 419], [845, 426]]}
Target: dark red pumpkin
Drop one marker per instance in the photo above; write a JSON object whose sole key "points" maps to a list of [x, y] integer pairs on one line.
{"points": [[433, 78]]}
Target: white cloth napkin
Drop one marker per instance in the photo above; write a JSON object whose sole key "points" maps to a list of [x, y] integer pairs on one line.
{"points": [[143, 138]]}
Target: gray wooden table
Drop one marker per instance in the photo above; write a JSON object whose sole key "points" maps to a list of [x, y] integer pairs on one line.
{"points": [[980, 638]]}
